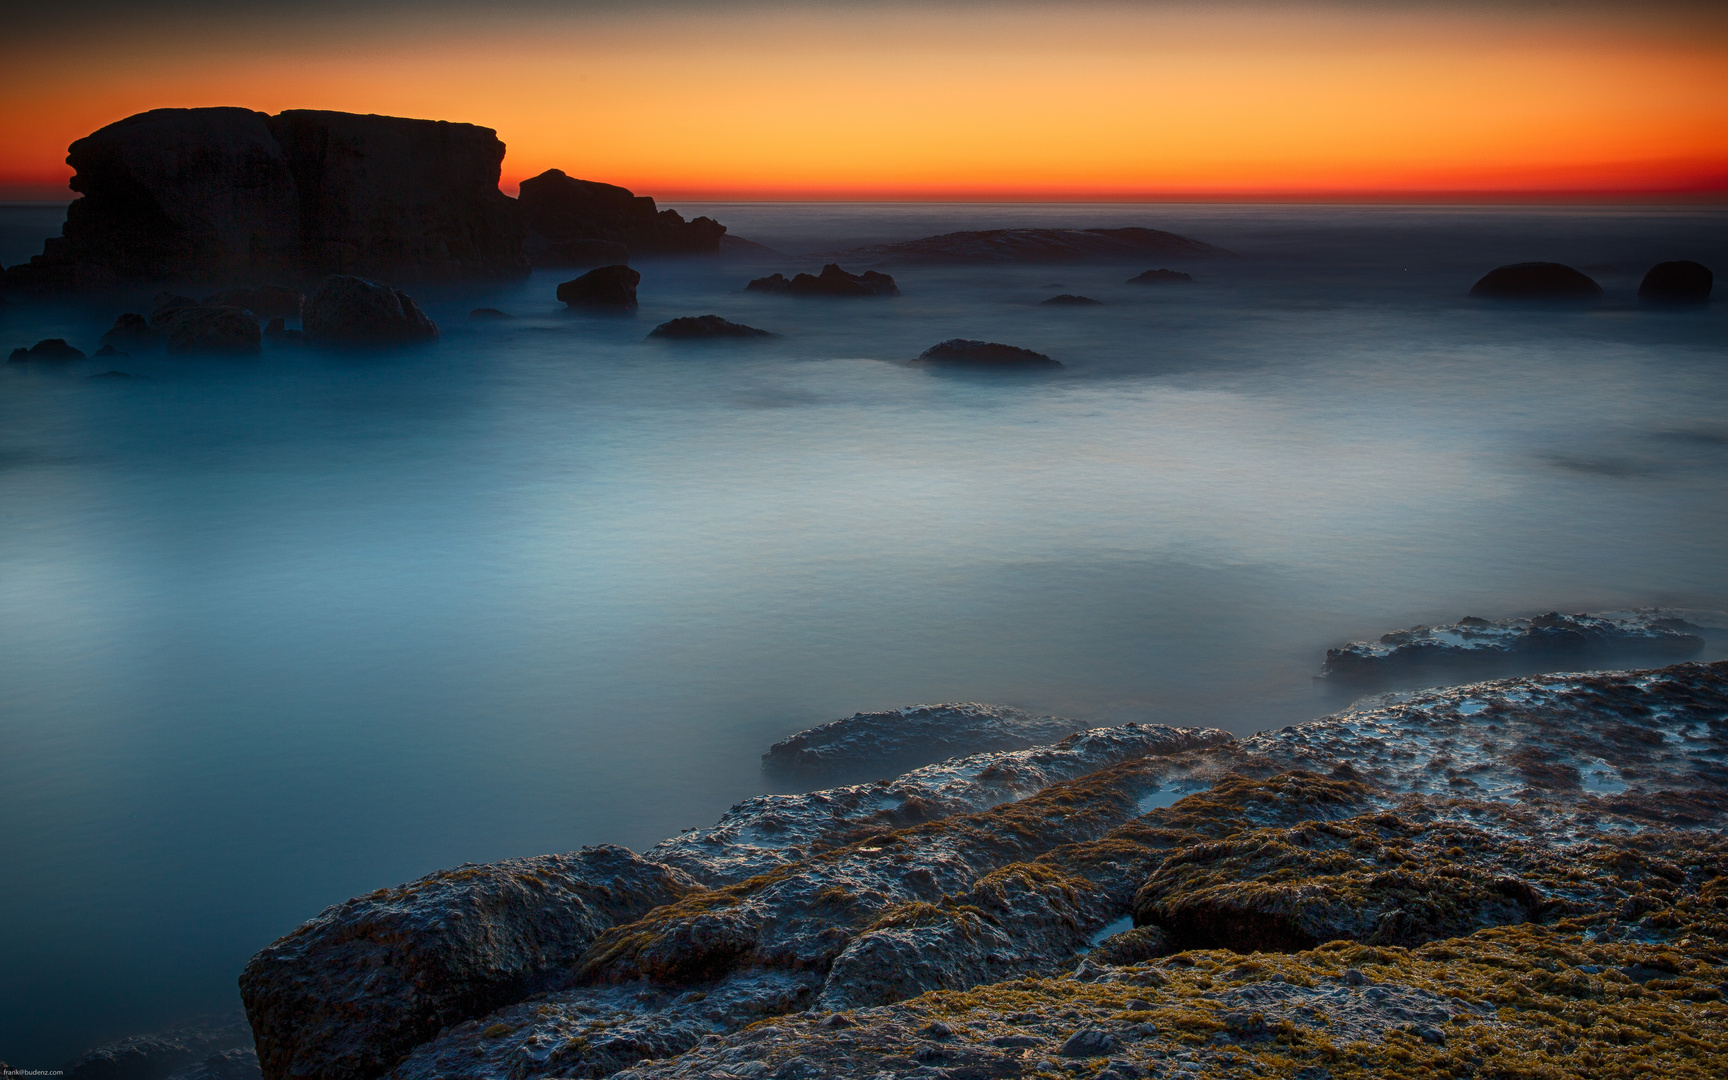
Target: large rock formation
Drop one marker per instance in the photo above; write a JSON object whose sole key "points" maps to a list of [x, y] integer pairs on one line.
{"points": [[608, 288], [230, 195], [569, 221]]}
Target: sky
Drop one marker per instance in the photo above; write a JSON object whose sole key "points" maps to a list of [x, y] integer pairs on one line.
{"points": [[938, 100]]}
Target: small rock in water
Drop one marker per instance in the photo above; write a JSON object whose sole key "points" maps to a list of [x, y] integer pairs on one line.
{"points": [[348, 310], [705, 328], [1161, 277], [52, 350], [1679, 282], [1536, 281], [608, 288], [1070, 300], [964, 352]]}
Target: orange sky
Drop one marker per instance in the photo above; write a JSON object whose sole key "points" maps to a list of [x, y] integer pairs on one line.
{"points": [[969, 100]]}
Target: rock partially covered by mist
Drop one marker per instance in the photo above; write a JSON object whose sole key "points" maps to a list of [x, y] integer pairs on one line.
{"points": [[832, 281], [347, 310], [1070, 300], [1680, 282], [226, 195], [891, 742], [1536, 281], [609, 288], [210, 329], [569, 219], [965, 352], [1162, 277], [347, 994], [48, 350], [1035, 246], [1474, 647], [705, 328], [131, 332], [178, 1052], [264, 301]]}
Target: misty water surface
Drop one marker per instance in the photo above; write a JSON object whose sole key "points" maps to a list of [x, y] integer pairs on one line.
{"points": [[278, 631]]}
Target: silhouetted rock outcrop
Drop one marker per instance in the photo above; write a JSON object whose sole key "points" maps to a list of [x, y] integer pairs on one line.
{"points": [[832, 281], [964, 352], [1162, 277], [569, 220], [131, 332], [210, 328], [1034, 246], [347, 994], [49, 350], [226, 194], [1680, 282], [705, 328], [1069, 300], [349, 310], [1536, 281], [610, 288]]}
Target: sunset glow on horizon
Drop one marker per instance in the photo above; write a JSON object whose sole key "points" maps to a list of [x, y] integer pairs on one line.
{"points": [[955, 102]]}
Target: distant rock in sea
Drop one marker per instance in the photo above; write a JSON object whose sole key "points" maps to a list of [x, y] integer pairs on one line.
{"points": [[832, 281], [48, 350], [738, 247], [1034, 246], [575, 222], [964, 352], [1680, 282], [226, 194], [609, 288], [706, 328], [352, 311], [1162, 277], [889, 743], [1536, 281], [1069, 300]]}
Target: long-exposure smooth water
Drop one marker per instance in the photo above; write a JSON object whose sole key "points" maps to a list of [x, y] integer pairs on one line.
{"points": [[281, 630]]}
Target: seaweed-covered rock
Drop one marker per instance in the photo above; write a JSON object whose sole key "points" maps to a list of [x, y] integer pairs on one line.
{"points": [[832, 281], [264, 301], [1679, 282], [347, 994], [1482, 647], [48, 350], [609, 288], [705, 328], [348, 310], [1035, 246], [1162, 277], [891, 742], [964, 352], [1536, 281], [210, 329], [176, 1052], [1069, 300], [568, 218]]}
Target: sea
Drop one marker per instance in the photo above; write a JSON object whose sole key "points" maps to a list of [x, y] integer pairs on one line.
{"points": [[280, 630]]}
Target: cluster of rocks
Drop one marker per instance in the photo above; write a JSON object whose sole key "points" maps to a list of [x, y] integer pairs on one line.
{"points": [[1679, 282], [832, 281]]}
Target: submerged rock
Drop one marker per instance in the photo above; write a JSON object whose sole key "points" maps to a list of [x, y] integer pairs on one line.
{"points": [[1069, 300], [968, 353], [179, 1052], [1678, 282], [1034, 246], [832, 281], [900, 739], [210, 329], [610, 288], [347, 994], [1162, 277], [705, 328], [1536, 281], [48, 350], [349, 310], [1480, 647], [569, 220]]}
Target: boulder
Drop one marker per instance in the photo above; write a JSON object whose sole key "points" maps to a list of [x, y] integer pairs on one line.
{"points": [[832, 281], [347, 994], [348, 310], [131, 332], [1162, 277], [1680, 282], [1069, 300], [210, 328], [705, 328], [166, 1053], [264, 301], [221, 194], [1536, 281], [565, 216], [1034, 246], [50, 350], [610, 288], [964, 352]]}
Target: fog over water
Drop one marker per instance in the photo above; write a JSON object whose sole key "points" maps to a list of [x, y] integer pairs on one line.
{"points": [[282, 630]]}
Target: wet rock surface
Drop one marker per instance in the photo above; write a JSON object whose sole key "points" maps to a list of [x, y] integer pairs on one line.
{"points": [[352, 311], [609, 288], [964, 352], [1034, 246], [1679, 282], [350, 992], [179, 1052], [575, 222], [1536, 281], [705, 328], [831, 282], [1480, 648], [891, 742]]}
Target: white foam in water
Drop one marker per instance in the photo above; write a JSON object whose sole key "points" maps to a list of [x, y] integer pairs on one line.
{"points": [[276, 632]]}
